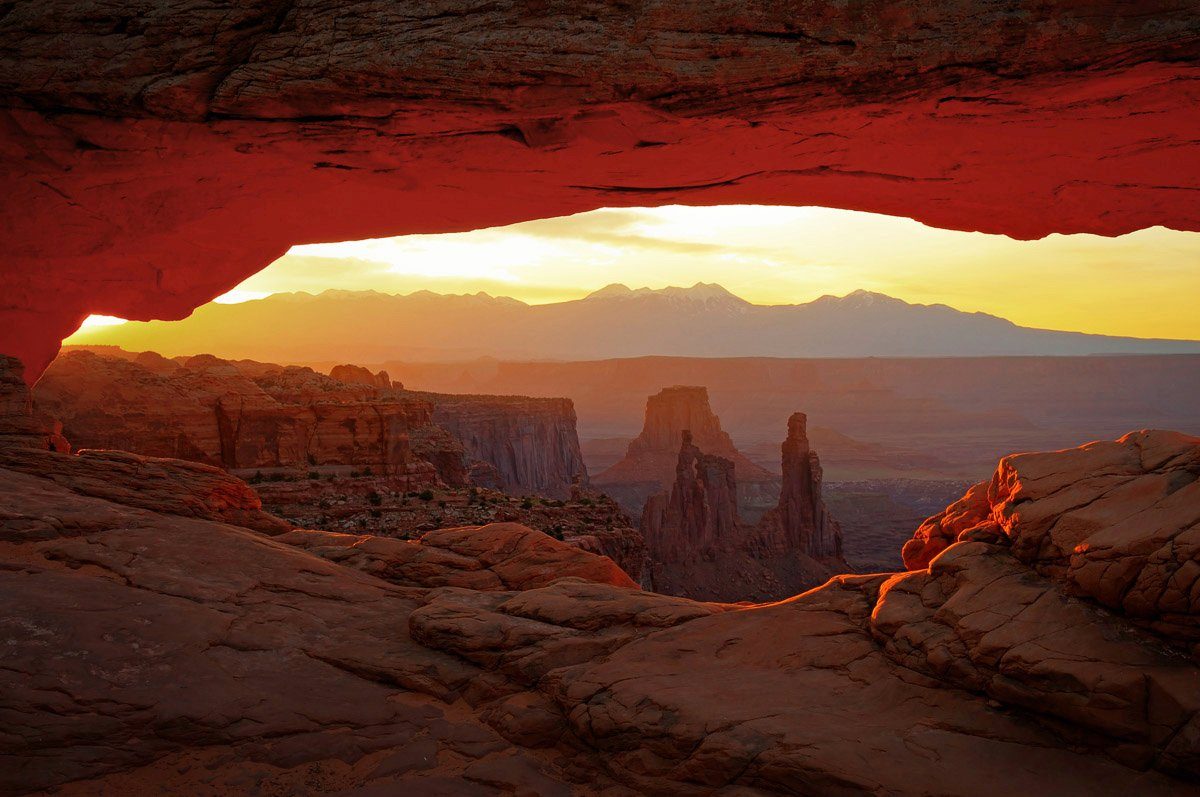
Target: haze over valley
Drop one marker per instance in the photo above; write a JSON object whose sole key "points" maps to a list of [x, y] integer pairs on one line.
{"points": [[704, 320]]}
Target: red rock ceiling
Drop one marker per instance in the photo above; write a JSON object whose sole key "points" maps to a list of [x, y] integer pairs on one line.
{"points": [[154, 154]]}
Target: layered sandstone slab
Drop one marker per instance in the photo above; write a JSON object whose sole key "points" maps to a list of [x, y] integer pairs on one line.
{"points": [[497, 556], [1117, 522]]}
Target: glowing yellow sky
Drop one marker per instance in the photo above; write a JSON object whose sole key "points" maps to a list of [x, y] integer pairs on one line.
{"points": [[1145, 284]]}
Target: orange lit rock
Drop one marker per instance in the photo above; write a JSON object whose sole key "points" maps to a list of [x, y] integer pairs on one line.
{"points": [[1117, 522], [497, 556], [357, 375]]}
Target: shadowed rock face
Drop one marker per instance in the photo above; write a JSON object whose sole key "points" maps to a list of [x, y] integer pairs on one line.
{"points": [[518, 444], [699, 515], [801, 521], [699, 547], [651, 462], [142, 141], [150, 651]]}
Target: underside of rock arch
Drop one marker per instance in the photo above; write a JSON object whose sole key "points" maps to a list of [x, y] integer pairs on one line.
{"points": [[154, 154]]}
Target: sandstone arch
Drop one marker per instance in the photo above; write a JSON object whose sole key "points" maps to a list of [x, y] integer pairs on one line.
{"points": [[155, 152]]}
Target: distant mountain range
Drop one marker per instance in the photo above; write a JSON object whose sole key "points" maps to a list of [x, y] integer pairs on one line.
{"points": [[704, 320]]}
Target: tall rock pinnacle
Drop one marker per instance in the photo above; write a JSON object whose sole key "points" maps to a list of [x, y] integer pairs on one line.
{"points": [[803, 519]]}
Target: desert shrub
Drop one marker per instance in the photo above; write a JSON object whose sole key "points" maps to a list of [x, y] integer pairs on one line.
{"points": [[313, 475], [527, 503], [374, 498], [256, 478], [426, 495]]}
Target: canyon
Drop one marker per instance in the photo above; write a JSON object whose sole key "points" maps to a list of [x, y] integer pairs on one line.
{"points": [[145, 646], [930, 419], [164, 632]]}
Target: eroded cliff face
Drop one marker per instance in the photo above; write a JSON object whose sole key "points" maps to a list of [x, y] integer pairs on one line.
{"points": [[239, 416], [142, 141], [700, 512], [515, 443], [248, 416]]}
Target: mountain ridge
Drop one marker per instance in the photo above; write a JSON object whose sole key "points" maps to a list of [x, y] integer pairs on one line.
{"points": [[704, 320]]}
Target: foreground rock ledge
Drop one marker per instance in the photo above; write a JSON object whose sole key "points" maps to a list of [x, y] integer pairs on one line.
{"points": [[176, 650]]}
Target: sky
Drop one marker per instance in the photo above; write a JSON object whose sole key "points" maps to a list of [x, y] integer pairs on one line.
{"points": [[1144, 284]]}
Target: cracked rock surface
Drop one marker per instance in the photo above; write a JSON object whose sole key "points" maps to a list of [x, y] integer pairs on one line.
{"points": [[1116, 522], [159, 650]]}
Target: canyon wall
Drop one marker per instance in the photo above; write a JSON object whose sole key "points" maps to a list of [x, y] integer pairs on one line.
{"points": [[248, 416], [517, 443], [236, 416], [700, 548]]}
